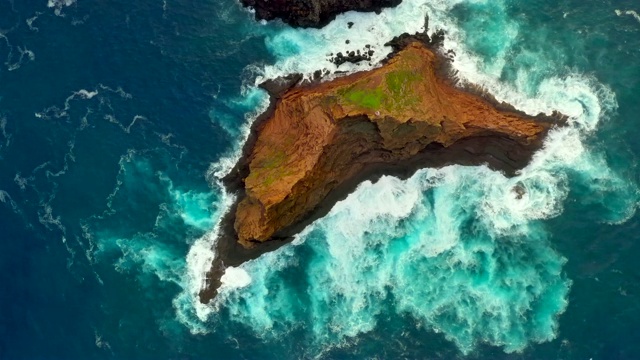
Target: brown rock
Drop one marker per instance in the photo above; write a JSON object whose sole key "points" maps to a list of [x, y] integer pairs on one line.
{"points": [[321, 135], [320, 140]]}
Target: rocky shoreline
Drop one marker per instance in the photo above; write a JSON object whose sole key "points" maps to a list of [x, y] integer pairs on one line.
{"points": [[499, 150], [312, 13]]}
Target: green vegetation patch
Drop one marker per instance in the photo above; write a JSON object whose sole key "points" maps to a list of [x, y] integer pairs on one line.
{"points": [[395, 92], [365, 98], [400, 82], [401, 85]]}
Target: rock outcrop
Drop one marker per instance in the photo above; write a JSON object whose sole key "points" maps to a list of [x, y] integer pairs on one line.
{"points": [[318, 141], [312, 13], [320, 136]]}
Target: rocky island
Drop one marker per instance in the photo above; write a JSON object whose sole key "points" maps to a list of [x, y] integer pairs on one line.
{"points": [[319, 140]]}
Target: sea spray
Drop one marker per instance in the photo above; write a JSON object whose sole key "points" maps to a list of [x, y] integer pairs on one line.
{"points": [[412, 241], [174, 216], [202, 252], [306, 51]]}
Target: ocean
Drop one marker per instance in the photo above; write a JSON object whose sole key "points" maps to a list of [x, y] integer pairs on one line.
{"points": [[117, 120]]}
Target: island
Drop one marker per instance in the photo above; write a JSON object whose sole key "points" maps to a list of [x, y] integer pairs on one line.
{"points": [[320, 139], [312, 13]]}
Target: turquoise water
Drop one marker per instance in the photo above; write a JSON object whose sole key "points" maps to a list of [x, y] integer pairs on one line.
{"points": [[117, 119]]}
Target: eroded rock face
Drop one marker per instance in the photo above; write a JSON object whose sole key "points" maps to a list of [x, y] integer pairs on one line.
{"points": [[312, 13], [321, 136]]}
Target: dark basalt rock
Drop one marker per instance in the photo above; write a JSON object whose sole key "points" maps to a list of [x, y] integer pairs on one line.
{"points": [[400, 42], [312, 13], [352, 56]]}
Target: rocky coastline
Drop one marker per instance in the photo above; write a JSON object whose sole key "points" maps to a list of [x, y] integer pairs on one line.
{"points": [[318, 141], [312, 13]]}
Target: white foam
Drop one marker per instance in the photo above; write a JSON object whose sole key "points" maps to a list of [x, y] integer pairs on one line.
{"points": [[202, 252], [24, 54], [201, 256], [371, 244], [235, 278], [58, 5], [56, 112], [304, 51], [86, 94], [6, 199], [628, 12], [5, 134], [31, 20]]}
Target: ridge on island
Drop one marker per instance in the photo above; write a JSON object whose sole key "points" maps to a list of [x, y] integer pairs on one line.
{"points": [[320, 140], [312, 13]]}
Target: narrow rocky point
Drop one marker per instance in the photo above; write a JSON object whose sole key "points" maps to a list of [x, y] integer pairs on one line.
{"points": [[319, 140]]}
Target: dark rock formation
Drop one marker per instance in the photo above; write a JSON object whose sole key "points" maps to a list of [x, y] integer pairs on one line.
{"points": [[352, 56], [312, 13]]}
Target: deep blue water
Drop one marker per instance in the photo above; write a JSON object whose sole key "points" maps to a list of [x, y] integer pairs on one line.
{"points": [[115, 117]]}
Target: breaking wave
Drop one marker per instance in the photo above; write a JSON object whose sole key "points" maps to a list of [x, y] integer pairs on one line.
{"points": [[628, 12]]}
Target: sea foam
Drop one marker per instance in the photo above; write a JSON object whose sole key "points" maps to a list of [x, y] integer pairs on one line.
{"points": [[628, 12]]}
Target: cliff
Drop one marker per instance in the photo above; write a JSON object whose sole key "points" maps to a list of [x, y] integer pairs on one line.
{"points": [[319, 140], [312, 13]]}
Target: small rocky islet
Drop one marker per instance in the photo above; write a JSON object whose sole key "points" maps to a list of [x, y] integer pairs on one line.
{"points": [[318, 140]]}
